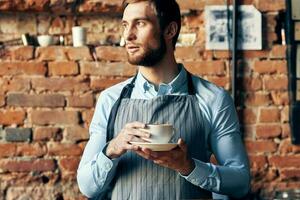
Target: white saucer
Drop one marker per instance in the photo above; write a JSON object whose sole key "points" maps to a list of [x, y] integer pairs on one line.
{"points": [[156, 146]]}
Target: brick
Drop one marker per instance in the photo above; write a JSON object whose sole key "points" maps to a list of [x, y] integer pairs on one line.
{"points": [[59, 26], [47, 133], [206, 67], [103, 83], [287, 147], [207, 55], [58, 149], [285, 114], [269, 115], [5, 5], [69, 164], [9, 117], [247, 115], [51, 53], [107, 7], [285, 161], [83, 101], [289, 174], [60, 84], [257, 99], [221, 81], [35, 150], [7, 150], [2, 100], [275, 83], [253, 54], [266, 131], [79, 53], [15, 84], [76, 133], [17, 134], [40, 165], [250, 83], [248, 131], [35, 191], [107, 69], [258, 162], [271, 175], [20, 68], [36, 100], [278, 51], [270, 5], [188, 53], [61, 68], [87, 116], [286, 130], [260, 147], [108, 53], [270, 67], [39, 117], [222, 54], [43, 24], [280, 97], [21, 53], [191, 4], [95, 24]]}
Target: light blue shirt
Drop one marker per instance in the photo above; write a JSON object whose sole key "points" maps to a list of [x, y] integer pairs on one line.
{"points": [[231, 176]]}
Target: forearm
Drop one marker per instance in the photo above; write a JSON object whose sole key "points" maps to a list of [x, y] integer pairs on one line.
{"points": [[94, 176]]}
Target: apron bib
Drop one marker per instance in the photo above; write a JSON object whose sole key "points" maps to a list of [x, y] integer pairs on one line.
{"points": [[139, 179]]}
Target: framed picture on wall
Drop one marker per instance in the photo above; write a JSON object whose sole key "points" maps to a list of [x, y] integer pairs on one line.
{"points": [[218, 27]]}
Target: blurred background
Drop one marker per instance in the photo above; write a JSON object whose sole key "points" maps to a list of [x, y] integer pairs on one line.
{"points": [[49, 90]]}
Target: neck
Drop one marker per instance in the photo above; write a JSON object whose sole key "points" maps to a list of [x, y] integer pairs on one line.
{"points": [[163, 72]]}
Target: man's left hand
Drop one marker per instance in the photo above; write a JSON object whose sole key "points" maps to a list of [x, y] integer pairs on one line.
{"points": [[176, 159]]}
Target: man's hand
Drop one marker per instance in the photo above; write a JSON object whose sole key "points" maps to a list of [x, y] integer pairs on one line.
{"points": [[176, 159], [121, 143]]}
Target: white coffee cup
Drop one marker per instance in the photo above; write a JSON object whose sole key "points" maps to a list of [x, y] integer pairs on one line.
{"points": [[160, 133], [79, 36], [45, 40]]}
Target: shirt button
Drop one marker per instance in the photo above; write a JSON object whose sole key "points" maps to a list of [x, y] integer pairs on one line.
{"points": [[194, 181], [107, 166]]}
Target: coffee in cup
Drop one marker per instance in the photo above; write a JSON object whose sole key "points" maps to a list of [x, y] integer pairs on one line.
{"points": [[160, 133]]}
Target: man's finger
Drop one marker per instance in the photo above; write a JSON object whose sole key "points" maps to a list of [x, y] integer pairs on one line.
{"points": [[136, 132], [182, 145], [135, 125]]}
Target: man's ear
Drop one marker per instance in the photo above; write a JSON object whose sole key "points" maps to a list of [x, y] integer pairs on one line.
{"points": [[171, 30]]}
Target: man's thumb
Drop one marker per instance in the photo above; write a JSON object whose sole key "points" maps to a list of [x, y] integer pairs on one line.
{"points": [[181, 144]]}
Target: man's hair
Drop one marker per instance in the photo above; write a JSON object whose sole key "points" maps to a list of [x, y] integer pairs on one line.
{"points": [[167, 11]]}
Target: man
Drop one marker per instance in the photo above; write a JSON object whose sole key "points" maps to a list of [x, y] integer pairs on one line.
{"points": [[162, 92]]}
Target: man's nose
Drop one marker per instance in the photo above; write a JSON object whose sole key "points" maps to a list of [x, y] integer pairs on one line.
{"points": [[129, 34]]}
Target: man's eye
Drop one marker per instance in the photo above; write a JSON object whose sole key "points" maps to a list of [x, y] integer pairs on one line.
{"points": [[124, 26], [140, 23]]}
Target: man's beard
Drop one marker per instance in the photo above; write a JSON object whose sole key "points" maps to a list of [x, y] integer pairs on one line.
{"points": [[151, 56]]}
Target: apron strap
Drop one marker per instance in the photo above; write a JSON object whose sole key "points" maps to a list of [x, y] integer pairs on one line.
{"points": [[126, 93]]}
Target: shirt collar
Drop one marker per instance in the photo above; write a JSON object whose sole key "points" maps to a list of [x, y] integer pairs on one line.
{"points": [[143, 84]]}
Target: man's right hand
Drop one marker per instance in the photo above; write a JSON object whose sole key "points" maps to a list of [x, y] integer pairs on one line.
{"points": [[121, 143]]}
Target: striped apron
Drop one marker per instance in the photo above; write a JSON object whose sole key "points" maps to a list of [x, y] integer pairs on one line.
{"points": [[140, 179]]}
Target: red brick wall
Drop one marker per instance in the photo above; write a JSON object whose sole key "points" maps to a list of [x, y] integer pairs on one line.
{"points": [[47, 95]]}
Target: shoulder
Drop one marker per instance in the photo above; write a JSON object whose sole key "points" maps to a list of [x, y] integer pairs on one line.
{"points": [[212, 99], [112, 93], [208, 92]]}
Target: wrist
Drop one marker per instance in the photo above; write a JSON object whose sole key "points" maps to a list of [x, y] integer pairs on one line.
{"points": [[188, 168], [108, 150]]}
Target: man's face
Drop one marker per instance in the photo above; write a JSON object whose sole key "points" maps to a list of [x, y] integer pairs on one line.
{"points": [[145, 44]]}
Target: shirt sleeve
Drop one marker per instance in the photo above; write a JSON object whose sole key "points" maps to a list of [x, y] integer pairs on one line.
{"points": [[96, 170], [227, 146]]}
